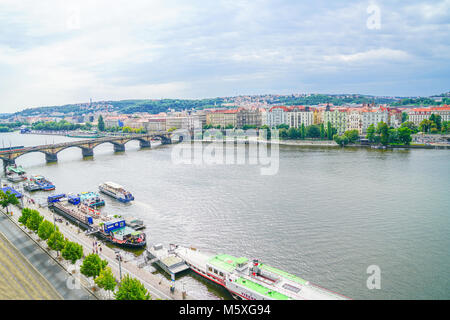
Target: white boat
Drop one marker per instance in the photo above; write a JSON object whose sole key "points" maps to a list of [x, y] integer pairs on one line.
{"points": [[116, 191], [252, 280], [15, 173]]}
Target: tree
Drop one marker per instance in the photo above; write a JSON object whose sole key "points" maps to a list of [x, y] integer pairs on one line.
{"points": [[410, 125], [292, 133], [26, 212], [106, 280], [131, 289], [371, 133], [352, 135], [283, 126], [425, 125], [45, 230], [340, 140], [56, 241], [383, 131], [405, 117], [329, 131], [72, 251], [101, 123], [313, 131], [34, 220], [283, 133], [302, 132], [322, 131], [7, 198], [172, 129], [92, 265], [404, 135]]}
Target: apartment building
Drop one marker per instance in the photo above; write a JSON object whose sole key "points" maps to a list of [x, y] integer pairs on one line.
{"points": [[250, 117], [276, 116], [417, 115], [298, 115], [338, 117], [222, 118]]}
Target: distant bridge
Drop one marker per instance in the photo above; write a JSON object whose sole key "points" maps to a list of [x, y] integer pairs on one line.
{"points": [[87, 146]]}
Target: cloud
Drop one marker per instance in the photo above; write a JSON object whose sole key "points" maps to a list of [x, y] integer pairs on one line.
{"points": [[55, 52]]}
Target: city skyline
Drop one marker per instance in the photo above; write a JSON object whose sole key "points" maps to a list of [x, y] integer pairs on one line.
{"points": [[63, 53]]}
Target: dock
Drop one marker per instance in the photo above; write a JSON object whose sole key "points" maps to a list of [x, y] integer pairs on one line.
{"points": [[167, 260]]}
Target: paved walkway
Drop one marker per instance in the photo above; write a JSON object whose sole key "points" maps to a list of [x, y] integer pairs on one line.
{"points": [[158, 288], [41, 261]]}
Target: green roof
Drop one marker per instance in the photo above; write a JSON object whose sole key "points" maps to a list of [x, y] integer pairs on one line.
{"points": [[261, 289], [226, 262], [283, 273]]}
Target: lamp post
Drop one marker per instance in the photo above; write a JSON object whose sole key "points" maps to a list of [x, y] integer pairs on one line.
{"points": [[119, 258]]}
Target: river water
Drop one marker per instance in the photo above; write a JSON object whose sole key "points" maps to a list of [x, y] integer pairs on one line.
{"points": [[326, 216]]}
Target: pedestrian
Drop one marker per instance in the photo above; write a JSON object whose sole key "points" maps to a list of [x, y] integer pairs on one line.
{"points": [[100, 249]]}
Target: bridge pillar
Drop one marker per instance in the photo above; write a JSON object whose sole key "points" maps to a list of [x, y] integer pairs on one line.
{"points": [[118, 147], [7, 162], [51, 157], [87, 152], [144, 143]]}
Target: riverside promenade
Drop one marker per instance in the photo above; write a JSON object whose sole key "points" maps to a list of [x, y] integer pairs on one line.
{"points": [[158, 288]]}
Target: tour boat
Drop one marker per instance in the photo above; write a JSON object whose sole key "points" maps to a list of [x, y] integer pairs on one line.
{"points": [[15, 173], [42, 182], [116, 191], [92, 199], [252, 280], [113, 230]]}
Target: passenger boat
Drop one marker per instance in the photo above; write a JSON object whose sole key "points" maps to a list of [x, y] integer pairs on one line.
{"points": [[116, 191], [91, 199], [15, 173], [252, 280], [112, 230], [42, 182]]}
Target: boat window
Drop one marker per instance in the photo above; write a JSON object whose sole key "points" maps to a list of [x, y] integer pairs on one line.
{"points": [[221, 274], [215, 271], [209, 269]]}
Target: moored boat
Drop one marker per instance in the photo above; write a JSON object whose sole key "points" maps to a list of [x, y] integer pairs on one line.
{"points": [[15, 173], [252, 280], [91, 199], [42, 182], [116, 191], [112, 230]]}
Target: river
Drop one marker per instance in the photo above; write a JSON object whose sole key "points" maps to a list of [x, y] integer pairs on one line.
{"points": [[326, 215]]}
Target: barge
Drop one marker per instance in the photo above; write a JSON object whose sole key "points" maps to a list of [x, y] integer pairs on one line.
{"points": [[116, 191], [252, 280], [42, 183], [113, 230], [15, 173], [91, 199]]}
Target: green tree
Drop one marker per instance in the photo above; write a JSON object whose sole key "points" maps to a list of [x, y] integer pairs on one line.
{"points": [[7, 198], [426, 125], [340, 140], [92, 265], [283, 133], [34, 220], [410, 125], [72, 251], [292, 133], [56, 241], [371, 133], [45, 230], [405, 117], [131, 289], [352, 135], [329, 131], [283, 126], [106, 280], [383, 131], [322, 131], [302, 132], [26, 212], [404, 135], [313, 131], [101, 123]]}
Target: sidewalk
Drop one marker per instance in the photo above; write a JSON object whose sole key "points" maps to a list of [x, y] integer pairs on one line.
{"points": [[158, 288]]}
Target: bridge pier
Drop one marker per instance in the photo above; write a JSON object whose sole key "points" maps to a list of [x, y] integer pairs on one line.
{"points": [[51, 157], [144, 144], [87, 152], [118, 147], [7, 162]]}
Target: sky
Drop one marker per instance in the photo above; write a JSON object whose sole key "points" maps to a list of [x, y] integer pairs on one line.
{"points": [[61, 52]]}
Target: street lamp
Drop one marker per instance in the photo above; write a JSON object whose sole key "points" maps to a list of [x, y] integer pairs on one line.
{"points": [[119, 258]]}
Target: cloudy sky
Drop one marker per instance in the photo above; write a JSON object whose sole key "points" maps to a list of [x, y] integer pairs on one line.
{"points": [[58, 52]]}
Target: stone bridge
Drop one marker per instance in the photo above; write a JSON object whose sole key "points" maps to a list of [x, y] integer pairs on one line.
{"points": [[86, 146]]}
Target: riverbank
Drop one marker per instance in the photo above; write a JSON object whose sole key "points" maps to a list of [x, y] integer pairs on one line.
{"points": [[158, 288]]}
